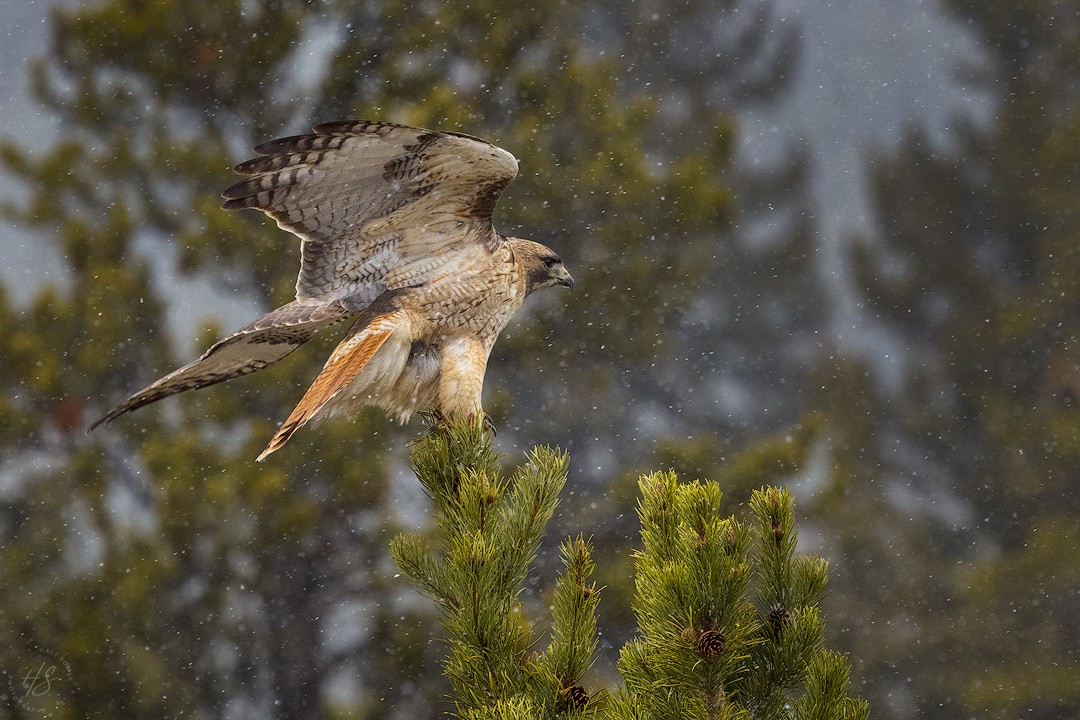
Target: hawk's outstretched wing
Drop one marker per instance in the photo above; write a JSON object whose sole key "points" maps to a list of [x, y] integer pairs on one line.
{"points": [[259, 345], [377, 206]]}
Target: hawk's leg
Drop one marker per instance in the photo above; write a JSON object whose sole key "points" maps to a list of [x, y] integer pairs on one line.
{"points": [[461, 377]]}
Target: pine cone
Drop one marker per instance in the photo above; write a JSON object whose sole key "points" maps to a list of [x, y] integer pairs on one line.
{"points": [[711, 644], [777, 617], [576, 695]]}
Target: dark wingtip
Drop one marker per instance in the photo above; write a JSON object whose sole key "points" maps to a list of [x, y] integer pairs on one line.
{"points": [[247, 167], [378, 127], [112, 415], [271, 147], [240, 203], [237, 190], [336, 126], [132, 403]]}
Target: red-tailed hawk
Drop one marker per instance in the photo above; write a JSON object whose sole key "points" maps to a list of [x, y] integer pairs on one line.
{"points": [[396, 234]]}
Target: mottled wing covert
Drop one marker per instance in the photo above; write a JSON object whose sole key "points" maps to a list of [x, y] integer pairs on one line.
{"points": [[376, 205]]}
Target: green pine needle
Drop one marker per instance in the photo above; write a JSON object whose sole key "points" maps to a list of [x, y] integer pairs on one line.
{"points": [[729, 625]]}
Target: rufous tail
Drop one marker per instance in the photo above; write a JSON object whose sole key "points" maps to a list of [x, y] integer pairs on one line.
{"points": [[345, 363]]}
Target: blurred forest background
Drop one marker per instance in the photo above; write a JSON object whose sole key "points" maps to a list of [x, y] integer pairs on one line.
{"points": [[832, 245]]}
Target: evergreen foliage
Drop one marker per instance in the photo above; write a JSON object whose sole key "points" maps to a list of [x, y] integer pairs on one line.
{"points": [[727, 613], [490, 527]]}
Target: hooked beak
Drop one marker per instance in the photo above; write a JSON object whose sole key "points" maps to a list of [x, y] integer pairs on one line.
{"points": [[564, 278]]}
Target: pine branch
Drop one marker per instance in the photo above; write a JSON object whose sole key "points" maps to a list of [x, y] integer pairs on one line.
{"points": [[703, 650], [728, 619], [695, 624], [489, 530], [825, 697], [559, 670]]}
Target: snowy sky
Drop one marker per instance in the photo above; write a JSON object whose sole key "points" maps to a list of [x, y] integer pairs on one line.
{"points": [[869, 69], [25, 261]]}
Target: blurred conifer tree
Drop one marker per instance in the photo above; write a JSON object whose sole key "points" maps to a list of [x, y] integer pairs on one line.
{"points": [[973, 565]]}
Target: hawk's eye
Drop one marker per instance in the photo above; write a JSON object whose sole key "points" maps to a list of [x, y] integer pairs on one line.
{"points": [[550, 261]]}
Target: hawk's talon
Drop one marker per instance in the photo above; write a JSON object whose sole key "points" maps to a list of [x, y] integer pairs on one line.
{"points": [[490, 425], [434, 419]]}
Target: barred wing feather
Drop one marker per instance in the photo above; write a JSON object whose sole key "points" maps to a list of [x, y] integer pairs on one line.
{"points": [[376, 205]]}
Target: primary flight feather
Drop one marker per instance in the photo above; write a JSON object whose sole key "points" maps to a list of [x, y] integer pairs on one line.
{"points": [[396, 234]]}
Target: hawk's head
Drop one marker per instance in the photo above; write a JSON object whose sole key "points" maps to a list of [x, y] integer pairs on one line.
{"points": [[541, 265]]}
